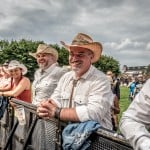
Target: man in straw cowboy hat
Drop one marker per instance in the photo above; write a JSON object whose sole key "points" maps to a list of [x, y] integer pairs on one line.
{"points": [[48, 74], [45, 81], [84, 93]]}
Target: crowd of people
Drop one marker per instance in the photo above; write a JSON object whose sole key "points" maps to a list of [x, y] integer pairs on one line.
{"points": [[82, 94], [13, 83], [135, 85]]}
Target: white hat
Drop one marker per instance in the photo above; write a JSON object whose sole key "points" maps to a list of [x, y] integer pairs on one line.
{"points": [[16, 64]]}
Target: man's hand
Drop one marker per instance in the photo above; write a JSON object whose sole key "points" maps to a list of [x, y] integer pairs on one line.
{"points": [[46, 109]]}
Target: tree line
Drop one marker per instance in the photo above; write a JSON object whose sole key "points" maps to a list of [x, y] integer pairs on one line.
{"points": [[19, 50]]}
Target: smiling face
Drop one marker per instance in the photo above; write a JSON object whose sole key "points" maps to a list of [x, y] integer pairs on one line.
{"points": [[15, 73], [45, 60], [80, 60]]}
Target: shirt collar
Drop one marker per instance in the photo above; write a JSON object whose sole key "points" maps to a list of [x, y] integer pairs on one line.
{"points": [[88, 73], [50, 68]]}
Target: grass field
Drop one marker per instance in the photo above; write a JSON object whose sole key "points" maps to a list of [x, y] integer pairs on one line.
{"points": [[124, 102]]}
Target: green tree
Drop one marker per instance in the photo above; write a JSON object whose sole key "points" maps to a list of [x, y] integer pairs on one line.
{"points": [[106, 63], [19, 50], [63, 55]]}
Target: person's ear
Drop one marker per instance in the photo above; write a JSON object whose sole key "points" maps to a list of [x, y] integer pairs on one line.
{"points": [[92, 56]]}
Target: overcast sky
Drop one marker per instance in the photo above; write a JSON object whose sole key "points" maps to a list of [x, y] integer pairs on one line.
{"points": [[122, 26]]}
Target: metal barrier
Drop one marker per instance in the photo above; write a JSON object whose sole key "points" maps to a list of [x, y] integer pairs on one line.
{"points": [[105, 139], [38, 134]]}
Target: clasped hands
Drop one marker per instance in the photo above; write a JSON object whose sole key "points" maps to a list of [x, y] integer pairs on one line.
{"points": [[46, 109]]}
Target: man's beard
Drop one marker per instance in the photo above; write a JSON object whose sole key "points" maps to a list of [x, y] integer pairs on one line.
{"points": [[77, 70], [43, 66]]}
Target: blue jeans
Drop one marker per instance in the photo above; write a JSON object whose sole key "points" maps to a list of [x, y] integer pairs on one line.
{"points": [[3, 105], [75, 136]]}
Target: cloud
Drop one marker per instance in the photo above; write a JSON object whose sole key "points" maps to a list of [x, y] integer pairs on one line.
{"points": [[121, 26], [125, 44], [148, 46]]}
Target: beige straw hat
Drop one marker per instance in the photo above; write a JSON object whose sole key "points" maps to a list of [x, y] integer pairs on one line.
{"points": [[44, 48], [85, 41]]}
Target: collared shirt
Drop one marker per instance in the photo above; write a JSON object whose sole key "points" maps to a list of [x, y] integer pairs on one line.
{"points": [[45, 82], [92, 96], [135, 121]]}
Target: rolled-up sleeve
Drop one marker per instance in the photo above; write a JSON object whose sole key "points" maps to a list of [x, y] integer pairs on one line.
{"points": [[92, 97], [135, 122]]}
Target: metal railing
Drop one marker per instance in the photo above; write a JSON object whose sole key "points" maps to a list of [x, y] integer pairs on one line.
{"points": [[39, 134]]}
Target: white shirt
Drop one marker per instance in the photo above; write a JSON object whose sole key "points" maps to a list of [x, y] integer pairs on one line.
{"points": [[92, 96], [44, 84], [135, 121]]}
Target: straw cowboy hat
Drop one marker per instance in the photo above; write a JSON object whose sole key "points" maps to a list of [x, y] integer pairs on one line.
{"points": [[44, 48], [16, 64], [85, 41]]}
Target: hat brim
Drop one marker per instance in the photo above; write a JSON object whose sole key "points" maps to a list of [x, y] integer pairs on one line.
{"points": [[24, 68], [95, 47], [52, 53], [33, 54]]}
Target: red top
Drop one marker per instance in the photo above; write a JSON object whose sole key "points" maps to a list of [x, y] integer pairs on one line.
{"points": [[25, 95]]}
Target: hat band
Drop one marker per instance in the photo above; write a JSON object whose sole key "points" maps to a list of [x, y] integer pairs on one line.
{"points": [[80, 42]]}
